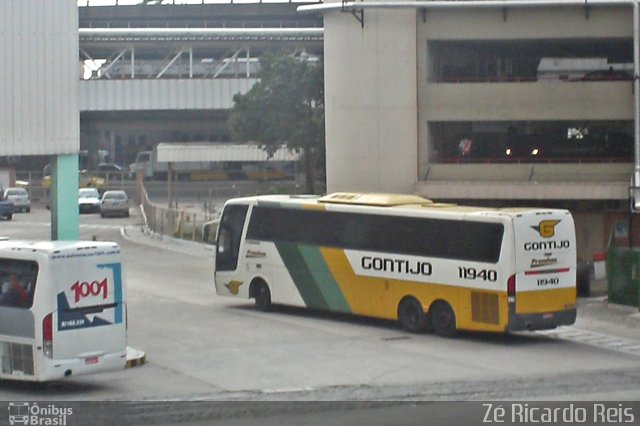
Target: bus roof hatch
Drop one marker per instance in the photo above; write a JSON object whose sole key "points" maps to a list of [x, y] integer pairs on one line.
{"points": [[374, 199]]}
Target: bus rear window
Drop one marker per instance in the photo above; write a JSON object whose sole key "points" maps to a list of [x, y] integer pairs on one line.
{"points": [[440, 238], [17, 282]]}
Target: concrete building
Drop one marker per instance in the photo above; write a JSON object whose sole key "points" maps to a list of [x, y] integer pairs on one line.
{"points": [[39, 109], [511, 105]]}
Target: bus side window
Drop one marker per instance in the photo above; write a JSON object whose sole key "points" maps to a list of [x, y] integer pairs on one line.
{"points": [[229, 237]]}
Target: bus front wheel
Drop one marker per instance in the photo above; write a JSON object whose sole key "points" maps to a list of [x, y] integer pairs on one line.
{"points": [[411, 316], [443, 319], [263, 297]]}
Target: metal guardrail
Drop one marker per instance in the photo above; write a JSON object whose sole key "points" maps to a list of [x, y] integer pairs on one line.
{"points": [[175, 222]]}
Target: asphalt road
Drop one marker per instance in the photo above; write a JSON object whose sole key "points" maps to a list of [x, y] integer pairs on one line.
{"points": [[201, 347]]}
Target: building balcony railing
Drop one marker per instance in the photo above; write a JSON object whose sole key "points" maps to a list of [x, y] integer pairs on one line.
{"points": [[587, 181]]}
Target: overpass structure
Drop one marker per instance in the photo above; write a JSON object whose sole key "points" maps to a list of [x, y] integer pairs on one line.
{"points": [[169, 72]]}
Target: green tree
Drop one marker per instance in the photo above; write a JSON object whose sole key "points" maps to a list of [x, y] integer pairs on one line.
{"points": [[285, 107]]}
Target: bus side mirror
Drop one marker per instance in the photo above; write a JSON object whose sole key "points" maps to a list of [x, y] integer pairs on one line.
{"points": [[209, 231]]}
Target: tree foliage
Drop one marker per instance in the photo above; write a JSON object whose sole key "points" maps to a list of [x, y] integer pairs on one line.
{"points": [[285, 107]]}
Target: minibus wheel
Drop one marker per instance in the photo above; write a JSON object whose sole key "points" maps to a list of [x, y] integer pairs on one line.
{"points": [[443, 319], [411, 315], [262, 296]]}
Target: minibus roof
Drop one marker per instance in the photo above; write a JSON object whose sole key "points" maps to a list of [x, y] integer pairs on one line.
{"points": [[54, 247]]}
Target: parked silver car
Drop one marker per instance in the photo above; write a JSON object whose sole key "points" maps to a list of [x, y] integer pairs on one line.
{"points": [[20, 199], [114, 203]]}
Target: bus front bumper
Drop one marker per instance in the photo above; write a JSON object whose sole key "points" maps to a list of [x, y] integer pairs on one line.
{"points": [[540, 321]]}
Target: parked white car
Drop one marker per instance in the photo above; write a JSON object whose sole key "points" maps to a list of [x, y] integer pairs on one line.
{"points": [[20, 199], [89, 200]]}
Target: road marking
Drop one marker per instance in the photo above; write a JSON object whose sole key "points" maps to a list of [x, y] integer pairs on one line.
{"points": [[394, 338], [592, 338], [288, 390], [100, 226]]}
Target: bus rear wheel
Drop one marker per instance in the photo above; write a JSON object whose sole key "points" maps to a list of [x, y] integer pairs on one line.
{"points": [[443, 319], [263, 297], [411, 316]]}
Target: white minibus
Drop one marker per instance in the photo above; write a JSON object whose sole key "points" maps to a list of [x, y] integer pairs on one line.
{"points": [[62, 309]]}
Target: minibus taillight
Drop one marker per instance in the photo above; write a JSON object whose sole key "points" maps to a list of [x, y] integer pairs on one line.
{"points": [[47, 335], [511, 289]]}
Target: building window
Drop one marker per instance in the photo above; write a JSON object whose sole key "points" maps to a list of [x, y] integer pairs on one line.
{"points": [[533, 142], [507, 61]]}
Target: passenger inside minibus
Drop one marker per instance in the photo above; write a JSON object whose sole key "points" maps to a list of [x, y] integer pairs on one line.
{"points": [[17, 285]]}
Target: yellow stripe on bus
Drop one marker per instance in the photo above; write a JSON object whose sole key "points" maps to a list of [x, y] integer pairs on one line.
{"points": [[530, 302], [355, 289], [313, 206], [380, 297]]}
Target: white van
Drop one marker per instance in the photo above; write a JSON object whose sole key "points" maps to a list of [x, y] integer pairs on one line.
{"points": [[62, 309]]}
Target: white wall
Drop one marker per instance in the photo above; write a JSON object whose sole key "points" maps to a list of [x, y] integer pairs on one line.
{"points": [[371, 101], [39, 77], [147, 95]]}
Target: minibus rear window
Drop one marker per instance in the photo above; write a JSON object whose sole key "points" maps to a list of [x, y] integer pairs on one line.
{"points": [[17, 282]]}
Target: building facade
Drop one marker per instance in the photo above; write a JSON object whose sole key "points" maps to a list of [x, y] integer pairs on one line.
{"points": [[490, 105]]}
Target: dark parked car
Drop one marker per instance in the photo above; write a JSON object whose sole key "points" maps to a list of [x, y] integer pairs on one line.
{"points": [[20, 199], [607, 75], [110, 170], [6, 208]]}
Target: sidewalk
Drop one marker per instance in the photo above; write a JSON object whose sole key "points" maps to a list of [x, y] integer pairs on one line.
{"points": [[597, 314], [138, 235]]}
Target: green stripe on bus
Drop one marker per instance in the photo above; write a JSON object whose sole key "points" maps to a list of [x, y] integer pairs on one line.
{"points": [[323, 278], [302, 277]]}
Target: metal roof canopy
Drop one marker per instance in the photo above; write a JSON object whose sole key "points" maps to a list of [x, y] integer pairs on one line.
{"points": [[202, 151], [210, 14], [199, 34]]}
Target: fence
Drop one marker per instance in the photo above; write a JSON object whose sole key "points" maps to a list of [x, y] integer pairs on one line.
{"points": [[178, 223]]}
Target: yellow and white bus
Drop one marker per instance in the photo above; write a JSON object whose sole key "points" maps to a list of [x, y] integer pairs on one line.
{"points": [[401, 257]]}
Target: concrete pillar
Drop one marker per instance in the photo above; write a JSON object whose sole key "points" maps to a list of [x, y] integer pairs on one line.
{"points": [[65, 216], [371, 101]]}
